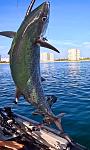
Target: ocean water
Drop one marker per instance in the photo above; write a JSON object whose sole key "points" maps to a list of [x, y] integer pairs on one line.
{"points": [[70, 82]]}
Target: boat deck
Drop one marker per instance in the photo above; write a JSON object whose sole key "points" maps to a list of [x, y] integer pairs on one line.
{"points": [[25, 134]]}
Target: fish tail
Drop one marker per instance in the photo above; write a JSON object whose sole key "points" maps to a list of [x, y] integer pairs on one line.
{"points": [[53, 119], [58, 124]]}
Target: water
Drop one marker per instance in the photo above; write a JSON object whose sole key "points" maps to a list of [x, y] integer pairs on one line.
{"points": [[70, 82]]}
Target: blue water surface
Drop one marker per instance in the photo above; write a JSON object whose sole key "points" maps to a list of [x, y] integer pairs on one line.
{"points": [[70, 82]]}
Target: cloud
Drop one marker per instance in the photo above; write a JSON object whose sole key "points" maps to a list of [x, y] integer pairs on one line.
{"points": [[86, 44], [3, 47], [70, 43], [64, 43], [4, 50]]}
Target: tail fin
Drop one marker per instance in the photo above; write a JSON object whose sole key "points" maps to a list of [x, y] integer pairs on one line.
{"points": [[56, 120]]}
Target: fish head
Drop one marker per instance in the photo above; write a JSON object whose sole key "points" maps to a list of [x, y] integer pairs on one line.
{"points": [[36, 22], [33, 26], [32, 29]]}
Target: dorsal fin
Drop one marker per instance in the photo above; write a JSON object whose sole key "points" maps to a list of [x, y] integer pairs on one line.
{"points": [[9, 34]]}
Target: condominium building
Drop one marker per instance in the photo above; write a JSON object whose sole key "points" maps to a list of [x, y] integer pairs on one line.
{"points": [[4, 59], [46, 57], [73, 54], [0, 58]]}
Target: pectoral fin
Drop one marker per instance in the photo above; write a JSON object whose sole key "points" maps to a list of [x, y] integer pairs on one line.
{"points": [[45, 44], [9, 34]]}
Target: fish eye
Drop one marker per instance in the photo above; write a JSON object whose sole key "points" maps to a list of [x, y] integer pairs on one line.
{"points": [[44, 18]]}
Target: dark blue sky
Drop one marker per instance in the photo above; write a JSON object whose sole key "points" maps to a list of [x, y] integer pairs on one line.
{"points": [[69, 25]]}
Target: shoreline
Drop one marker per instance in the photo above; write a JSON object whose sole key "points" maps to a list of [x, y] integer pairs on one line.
{"points": [[4, 62], [63, 61], [53, 61]]}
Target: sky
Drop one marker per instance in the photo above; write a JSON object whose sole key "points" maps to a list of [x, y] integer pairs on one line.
{"points": [[69, 24]]}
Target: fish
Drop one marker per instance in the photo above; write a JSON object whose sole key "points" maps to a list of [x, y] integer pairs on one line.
{"points": [[25, 59]]}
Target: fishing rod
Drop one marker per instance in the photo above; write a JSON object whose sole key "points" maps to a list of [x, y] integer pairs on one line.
{"points": [[17, 4], [31, 4]]}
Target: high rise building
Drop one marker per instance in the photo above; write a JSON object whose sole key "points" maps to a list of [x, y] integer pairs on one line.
{"points": [[73, 54], [0, 58], [46, 57], [4, 59]]}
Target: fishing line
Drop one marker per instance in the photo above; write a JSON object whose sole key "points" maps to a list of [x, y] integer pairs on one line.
{"points": [[17, 4]]}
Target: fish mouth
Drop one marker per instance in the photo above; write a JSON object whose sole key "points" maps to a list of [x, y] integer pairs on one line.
{"points": [[45, 17], [45, 4]]}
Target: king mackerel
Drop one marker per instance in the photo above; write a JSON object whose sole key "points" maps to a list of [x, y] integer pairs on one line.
{"points": [[25, 59]]}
